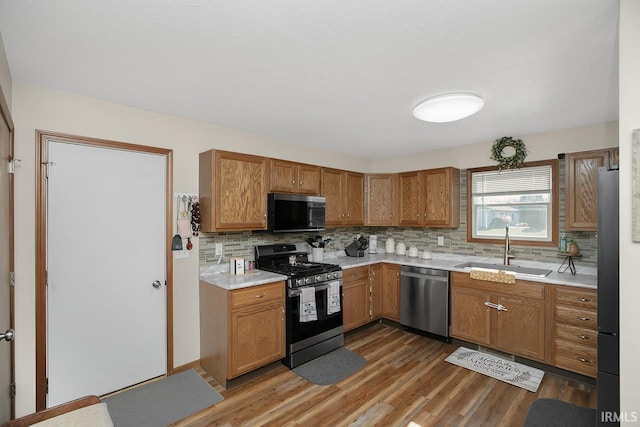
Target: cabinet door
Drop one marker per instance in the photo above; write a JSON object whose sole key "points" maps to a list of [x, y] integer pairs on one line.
{"points": [[308, 179], [470, 318], [240, 192], [355, 302], [521, 328], [256, 338], [442, 194], [333, 190], [376, 291], [411, 212], [283, 176], [581, 176], [380, 199], [355, 198], [391, 292]]}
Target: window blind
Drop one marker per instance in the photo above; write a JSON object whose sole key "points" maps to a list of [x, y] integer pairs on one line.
{"points": [[536, 179]]}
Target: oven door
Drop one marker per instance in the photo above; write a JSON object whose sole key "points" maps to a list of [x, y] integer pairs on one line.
{"points": [[298, 331]]}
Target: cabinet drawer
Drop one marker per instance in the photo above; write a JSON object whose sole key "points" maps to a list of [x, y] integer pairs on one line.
{"points": [[256, 294], [354, 274], [576, 357], [582, 336], [521, 288], [576, 316], [577, 297]]}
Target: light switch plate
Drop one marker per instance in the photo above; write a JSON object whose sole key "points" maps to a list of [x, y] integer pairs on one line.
{"points": [[440, 240]]}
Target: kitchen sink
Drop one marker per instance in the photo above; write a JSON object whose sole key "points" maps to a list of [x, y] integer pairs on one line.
{"points": [[521, 272]]}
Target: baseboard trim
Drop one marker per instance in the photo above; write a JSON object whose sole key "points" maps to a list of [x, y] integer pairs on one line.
{"points": [[191, 365]]}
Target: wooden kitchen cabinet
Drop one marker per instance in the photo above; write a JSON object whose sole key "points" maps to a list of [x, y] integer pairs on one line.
{"points": [[240, 330], [376, 289], [290, 177], [380, 199], [581, 179], [518, 327], [233, 191], [355, 297], [391, 292], [430, 198], [575, 337], [344, 196]]}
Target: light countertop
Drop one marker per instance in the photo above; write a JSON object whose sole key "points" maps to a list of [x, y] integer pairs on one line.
{"points": [[585, 277]]}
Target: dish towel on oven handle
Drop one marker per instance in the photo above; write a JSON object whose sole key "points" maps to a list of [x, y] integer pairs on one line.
{"points": [[333, 297], [308, 311]]}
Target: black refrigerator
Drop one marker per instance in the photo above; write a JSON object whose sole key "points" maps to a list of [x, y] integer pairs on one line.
{"points": [[608, 380]]}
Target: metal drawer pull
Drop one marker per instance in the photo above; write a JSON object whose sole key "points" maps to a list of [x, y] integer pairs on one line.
{"points": [[584, 300], [583, 318], [260, 296], [502, 308], [583, 360], [583, 337]]}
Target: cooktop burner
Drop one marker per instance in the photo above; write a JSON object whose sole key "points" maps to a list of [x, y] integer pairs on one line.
{"points": [[290, 260]]}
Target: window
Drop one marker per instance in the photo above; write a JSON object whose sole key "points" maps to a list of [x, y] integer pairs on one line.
{"points": [[525, 199]]}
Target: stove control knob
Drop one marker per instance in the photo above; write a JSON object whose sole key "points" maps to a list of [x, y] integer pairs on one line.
{"points": [[334, 275], [318, 278], [307, 280], [298, 282]]}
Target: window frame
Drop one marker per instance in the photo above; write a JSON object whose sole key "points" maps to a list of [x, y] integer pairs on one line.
{"points": [[555, 206]]}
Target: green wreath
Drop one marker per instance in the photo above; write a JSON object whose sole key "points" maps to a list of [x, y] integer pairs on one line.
{"points": [[513, 162]]}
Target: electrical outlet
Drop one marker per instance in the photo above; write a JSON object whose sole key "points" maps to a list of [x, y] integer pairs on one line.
{"points": [[218, 248], [440, 240]]}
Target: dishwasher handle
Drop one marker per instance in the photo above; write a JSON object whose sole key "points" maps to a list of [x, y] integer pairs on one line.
{"points": [[443, 279]]}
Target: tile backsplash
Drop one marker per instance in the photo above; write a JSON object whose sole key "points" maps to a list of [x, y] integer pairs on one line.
{"points": [[455, 240]]}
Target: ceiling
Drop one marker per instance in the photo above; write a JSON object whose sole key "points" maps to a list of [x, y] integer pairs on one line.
{"points": [[341, 75]]}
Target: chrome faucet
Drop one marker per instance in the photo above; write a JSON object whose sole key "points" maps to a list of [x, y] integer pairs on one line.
{"points": [[508, 252]]}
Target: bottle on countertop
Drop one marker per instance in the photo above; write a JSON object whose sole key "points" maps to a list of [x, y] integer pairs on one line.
{"points": [[563, 244]]}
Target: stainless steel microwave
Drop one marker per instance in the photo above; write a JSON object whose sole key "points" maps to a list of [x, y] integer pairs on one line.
{"points": [[294, 212]]}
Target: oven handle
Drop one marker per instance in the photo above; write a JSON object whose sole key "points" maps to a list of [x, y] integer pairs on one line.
{"points": [[296, 292]]}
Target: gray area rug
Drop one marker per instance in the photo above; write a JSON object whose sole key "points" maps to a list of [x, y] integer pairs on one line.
{"points": [[332, 367], [556, 413], [162, 402]]}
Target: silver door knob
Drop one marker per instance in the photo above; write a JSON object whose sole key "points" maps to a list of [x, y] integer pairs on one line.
{"points": [[157, 284], [8, 335]]}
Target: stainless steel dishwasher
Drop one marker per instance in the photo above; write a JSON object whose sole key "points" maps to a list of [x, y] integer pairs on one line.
{"points": [[424, 299]]}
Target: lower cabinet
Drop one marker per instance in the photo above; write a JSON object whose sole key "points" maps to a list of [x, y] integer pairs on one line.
{"points": [[240, 330], [356, 297], [376, 277], [575, 342], [391, 292], [509, 318]]}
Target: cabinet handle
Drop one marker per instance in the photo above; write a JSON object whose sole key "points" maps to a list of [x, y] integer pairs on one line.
{"points": [[293, 182], [260, 296], [584, 300], [583, 360], [502, 308], [583, 318], [300, 182], [583, 337]]}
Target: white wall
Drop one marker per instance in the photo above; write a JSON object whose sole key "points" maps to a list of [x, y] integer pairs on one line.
{"points": [[5, 75], [629, 251], [541, 146], [40, 108]]}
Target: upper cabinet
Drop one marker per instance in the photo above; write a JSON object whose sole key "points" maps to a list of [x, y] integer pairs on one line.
{"points": [[233, 191], [290, 177], [344, 195], [581, 179], [380, 199], [430, 198]]}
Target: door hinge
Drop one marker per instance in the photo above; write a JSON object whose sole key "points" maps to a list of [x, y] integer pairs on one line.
{"points": [[12, 278], [47, 387], [12, 390]]}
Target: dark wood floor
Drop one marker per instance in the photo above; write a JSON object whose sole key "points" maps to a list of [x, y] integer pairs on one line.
{"points": [[405, 380]]}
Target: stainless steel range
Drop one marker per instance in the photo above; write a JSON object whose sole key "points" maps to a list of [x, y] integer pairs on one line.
{"points": [[313, 303]]}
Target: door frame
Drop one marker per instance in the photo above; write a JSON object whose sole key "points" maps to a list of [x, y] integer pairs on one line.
{"points": [[6, 117], [42, 139]]}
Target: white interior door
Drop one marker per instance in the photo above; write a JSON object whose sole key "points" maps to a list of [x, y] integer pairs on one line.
{"points": [[6, 248], [106, 322]]}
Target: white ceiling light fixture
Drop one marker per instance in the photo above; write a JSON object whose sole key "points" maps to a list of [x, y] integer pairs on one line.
{"points": [[448, 107]]}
